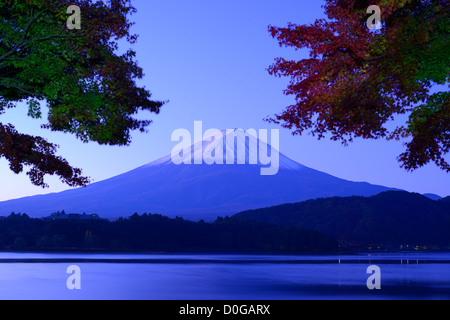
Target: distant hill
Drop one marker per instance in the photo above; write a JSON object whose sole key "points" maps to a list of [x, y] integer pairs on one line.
{"points": [[432, 196], [389, 219], [446, 199]]}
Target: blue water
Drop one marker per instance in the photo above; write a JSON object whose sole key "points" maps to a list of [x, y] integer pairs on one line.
{"points": [[224, 277]]}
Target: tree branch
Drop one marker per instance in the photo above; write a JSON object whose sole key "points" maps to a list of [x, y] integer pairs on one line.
{"points": [[22, 42], [9, 85]]}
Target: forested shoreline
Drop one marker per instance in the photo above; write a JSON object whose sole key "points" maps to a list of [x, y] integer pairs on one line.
{"points": [[157, 233]]}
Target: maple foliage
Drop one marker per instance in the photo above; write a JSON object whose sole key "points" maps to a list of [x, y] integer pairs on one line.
{"points": [[89, 89], [357, 81]]}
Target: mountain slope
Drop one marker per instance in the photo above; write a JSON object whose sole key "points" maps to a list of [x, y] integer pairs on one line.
{"points": [[195, 191], [391, 218], [446, 199], [432, 196]]}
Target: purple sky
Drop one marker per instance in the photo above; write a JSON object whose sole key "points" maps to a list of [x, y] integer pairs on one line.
{"points": [[209, 58]]}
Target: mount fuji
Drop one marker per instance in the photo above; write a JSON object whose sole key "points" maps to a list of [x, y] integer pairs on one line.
{"points": [[198, 190]]}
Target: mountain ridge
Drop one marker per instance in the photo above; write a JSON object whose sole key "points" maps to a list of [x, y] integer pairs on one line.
{"points": [[195, 191], [388, 219]]}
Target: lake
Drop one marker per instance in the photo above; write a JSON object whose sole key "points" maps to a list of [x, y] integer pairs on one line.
{"points": [[224, 277]]}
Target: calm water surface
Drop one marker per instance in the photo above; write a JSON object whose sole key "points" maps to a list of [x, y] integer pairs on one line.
{"points": [[224, 277]]}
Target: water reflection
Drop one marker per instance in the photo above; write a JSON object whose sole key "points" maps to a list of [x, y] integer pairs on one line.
{"points": [[224, 277]]}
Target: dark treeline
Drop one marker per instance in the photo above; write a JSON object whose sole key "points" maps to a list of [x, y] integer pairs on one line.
{"points": [[157, 233]]}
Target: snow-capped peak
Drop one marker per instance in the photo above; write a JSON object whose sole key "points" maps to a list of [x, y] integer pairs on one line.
{"points": [[229, 147]]}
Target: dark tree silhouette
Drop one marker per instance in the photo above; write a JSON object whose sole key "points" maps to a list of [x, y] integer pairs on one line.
{"points": [[89, 89], [357, 80]]}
